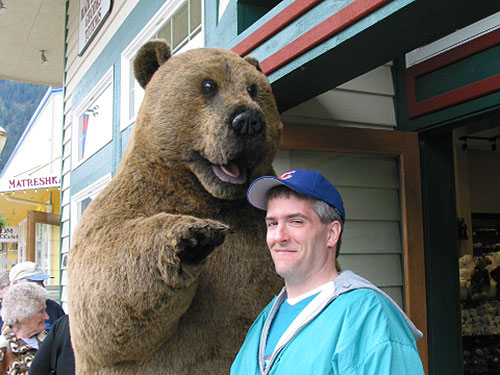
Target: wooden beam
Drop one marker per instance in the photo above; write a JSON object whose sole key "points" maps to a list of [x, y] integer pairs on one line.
{"points": [[32, 218]]}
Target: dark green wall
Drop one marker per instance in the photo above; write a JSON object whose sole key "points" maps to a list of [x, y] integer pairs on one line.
{"points": [[441, 254]]}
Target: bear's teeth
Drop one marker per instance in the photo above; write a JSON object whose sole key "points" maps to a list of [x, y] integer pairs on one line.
{"points": [[231, 170]]}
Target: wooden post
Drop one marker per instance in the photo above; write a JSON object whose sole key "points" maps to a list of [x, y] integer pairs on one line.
{"points": [[33, 217]]}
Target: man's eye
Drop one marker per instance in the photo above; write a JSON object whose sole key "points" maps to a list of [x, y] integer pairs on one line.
{"points": [[297, 222], [271, 224]]}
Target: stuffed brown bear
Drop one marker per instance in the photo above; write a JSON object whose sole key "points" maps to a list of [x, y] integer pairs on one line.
{"points": [[169, 266]]}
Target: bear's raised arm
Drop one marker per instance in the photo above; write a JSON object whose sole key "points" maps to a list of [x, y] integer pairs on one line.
{"points": [[124, 297]]}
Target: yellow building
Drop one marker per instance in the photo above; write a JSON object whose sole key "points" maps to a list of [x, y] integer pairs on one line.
{"points": [[30, 192]]}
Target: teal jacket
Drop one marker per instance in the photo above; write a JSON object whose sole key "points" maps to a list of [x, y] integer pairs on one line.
{"points": [[352, 328]]}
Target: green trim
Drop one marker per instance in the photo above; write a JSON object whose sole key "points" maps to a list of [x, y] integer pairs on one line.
{"points": [[441, 255], [459, 74], [250, 11], [388, 32], [65, 63], [451, 117]]}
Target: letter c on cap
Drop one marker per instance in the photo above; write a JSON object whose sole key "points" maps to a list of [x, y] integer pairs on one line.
{"points": [[286, 175]]}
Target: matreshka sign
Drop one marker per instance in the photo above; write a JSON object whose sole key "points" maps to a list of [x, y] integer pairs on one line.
{"points": [[29, 183]]}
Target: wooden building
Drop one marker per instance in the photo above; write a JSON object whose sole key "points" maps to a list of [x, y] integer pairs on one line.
{"points": [[377, 94]]}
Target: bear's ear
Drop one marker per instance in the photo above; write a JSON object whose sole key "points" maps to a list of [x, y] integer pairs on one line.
{"points": [[253, 61], [149, 58]]}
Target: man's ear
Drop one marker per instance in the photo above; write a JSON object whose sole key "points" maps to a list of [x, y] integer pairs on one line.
{"points": [[334, 231], [149, 58]]}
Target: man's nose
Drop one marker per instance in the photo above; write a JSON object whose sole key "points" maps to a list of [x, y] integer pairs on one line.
{"points": [[45, 316], [281, 232]]}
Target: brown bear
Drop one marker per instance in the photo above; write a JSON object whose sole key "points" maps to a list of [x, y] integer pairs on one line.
{"points": [[146, 292]]}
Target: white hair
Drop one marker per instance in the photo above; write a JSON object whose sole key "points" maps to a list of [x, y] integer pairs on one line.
{"points": [[21, 302]]}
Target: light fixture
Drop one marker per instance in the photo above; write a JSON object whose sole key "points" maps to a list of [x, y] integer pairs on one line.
{"points": [[3, 9], [43, 57], [492, 140], [464, 145]]}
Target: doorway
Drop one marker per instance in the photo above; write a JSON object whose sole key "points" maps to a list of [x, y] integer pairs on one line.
{"points": [[378, 174]]}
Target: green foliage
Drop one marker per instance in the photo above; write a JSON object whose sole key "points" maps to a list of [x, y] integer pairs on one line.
{"points": [[3, 222], [18, 102]]}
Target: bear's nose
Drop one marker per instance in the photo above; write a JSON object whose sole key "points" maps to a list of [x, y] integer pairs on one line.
{"points": [[248, 123]]}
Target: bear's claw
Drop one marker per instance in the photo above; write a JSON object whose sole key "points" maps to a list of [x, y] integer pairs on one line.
{"points": [[200, 241]]}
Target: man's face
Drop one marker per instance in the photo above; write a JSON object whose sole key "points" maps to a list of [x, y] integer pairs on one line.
{"points": [[302, 248]]}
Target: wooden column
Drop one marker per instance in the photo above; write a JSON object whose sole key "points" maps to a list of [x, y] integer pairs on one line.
{"points": [[33, 217]]}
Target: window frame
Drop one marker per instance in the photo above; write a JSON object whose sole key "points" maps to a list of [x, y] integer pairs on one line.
{"points": [[105, 82], [90, 191], [164, 14]]}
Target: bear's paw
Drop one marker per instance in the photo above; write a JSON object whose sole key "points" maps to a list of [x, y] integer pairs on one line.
{"points": [[198, 239]]}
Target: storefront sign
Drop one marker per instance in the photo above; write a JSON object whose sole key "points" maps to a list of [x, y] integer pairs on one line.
{"points": [[31, 183], [9, 234], [92, 15]]}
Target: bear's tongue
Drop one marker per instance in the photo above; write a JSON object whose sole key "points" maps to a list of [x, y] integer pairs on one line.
{"points": [[230, 173]]}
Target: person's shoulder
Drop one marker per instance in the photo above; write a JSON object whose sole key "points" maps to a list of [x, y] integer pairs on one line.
{"points": [[53, 305], [61, 322], [3, 342], [367, 302], [363, 296]]}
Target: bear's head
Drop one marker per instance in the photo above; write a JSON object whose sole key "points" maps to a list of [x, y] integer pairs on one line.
{"points": [[207, 111]]}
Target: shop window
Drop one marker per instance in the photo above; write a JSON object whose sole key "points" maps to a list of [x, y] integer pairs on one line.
{"points": [[42, 241], [93, 121], [250, 11], [46, 246], [81, 200], [180, 24]]}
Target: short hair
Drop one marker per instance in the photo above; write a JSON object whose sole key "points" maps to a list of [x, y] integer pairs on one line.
{"points": [[326, 213], [21, 302], [4, 279]]}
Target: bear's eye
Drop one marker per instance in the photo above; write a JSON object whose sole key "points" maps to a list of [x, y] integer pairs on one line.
{"points": [[252, 91], [208, 86]]}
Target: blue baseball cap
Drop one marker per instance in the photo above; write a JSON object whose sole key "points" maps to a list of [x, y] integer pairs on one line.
{"points": [[304, 181], [27, 271]]}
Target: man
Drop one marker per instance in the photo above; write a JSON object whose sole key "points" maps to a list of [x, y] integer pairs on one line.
{"points": [[55, 355], [31, 272], [323, 321]]}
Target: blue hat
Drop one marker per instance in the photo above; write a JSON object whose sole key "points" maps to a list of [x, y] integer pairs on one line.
{"points": [[303, 181], [27, 271]]}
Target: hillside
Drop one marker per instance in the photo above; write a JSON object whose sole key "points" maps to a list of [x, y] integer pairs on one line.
{"points": [[18, 102]]}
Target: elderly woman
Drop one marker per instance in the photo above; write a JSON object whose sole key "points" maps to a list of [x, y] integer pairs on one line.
{"points": [[23, 313]]}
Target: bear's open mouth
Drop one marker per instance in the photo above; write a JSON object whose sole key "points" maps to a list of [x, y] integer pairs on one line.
{"points": [[231, 173]]}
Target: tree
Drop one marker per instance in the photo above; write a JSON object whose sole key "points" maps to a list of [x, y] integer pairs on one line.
{"points": [[18, 102]]}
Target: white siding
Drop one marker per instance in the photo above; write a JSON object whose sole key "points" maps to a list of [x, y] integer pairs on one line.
{"points": [[76, 67], [370, 190], [369, 184], [366, 101]]}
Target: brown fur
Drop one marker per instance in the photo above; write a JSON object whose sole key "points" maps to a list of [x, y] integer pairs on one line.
{"points": [[144, 296]]}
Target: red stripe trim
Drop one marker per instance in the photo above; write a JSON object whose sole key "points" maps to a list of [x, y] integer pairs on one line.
{"points": [[463, 94], [274, 25], [459, 95], [339, 21]]}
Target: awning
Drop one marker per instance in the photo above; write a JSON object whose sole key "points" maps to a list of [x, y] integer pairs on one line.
{"points": [[14, 205]]}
